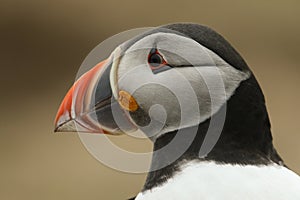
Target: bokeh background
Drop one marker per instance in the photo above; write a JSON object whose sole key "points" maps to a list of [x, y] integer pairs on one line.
{"points": [[43, 44]]}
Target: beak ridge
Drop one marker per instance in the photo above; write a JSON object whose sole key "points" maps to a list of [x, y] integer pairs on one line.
{"points": [[70, 116], [89, 106]]}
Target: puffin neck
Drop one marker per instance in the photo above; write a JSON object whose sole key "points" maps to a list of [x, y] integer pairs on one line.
{"points": [[245, 139]]}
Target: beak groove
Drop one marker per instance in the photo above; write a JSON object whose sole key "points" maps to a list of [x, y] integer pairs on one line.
{"points": [[72, 113], [89, 106]]}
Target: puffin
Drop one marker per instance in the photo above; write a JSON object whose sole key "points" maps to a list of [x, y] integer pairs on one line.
{"points": [[192, 94]]}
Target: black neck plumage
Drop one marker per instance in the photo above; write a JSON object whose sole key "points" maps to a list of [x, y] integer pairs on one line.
{"points": [[245, 139]]}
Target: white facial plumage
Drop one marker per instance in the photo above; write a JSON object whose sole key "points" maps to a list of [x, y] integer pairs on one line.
{"points": [[196, 86]]}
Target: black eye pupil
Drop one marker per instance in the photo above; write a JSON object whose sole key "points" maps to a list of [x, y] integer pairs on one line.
{"points": [[155, 60]]}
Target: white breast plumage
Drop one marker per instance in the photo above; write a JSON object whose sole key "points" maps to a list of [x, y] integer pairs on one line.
{"points": [[211, 181]]}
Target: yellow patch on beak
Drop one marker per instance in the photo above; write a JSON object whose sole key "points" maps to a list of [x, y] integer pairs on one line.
{"points": [[127, 101]]}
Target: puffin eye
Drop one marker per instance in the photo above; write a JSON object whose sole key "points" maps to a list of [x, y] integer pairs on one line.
{"points": [[156, 61]]}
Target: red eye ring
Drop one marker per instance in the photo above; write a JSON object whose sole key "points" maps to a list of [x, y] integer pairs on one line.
{"points": [[156, 60]]}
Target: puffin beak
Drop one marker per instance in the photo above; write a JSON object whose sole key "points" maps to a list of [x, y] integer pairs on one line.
{"points": [[89, 105]]}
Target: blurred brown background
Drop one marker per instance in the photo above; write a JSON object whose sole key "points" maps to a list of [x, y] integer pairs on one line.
{"points": [[43, 44]]}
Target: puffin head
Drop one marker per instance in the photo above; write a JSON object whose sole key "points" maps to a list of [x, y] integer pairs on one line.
{"points": [[180, 84], [170, 78]]}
